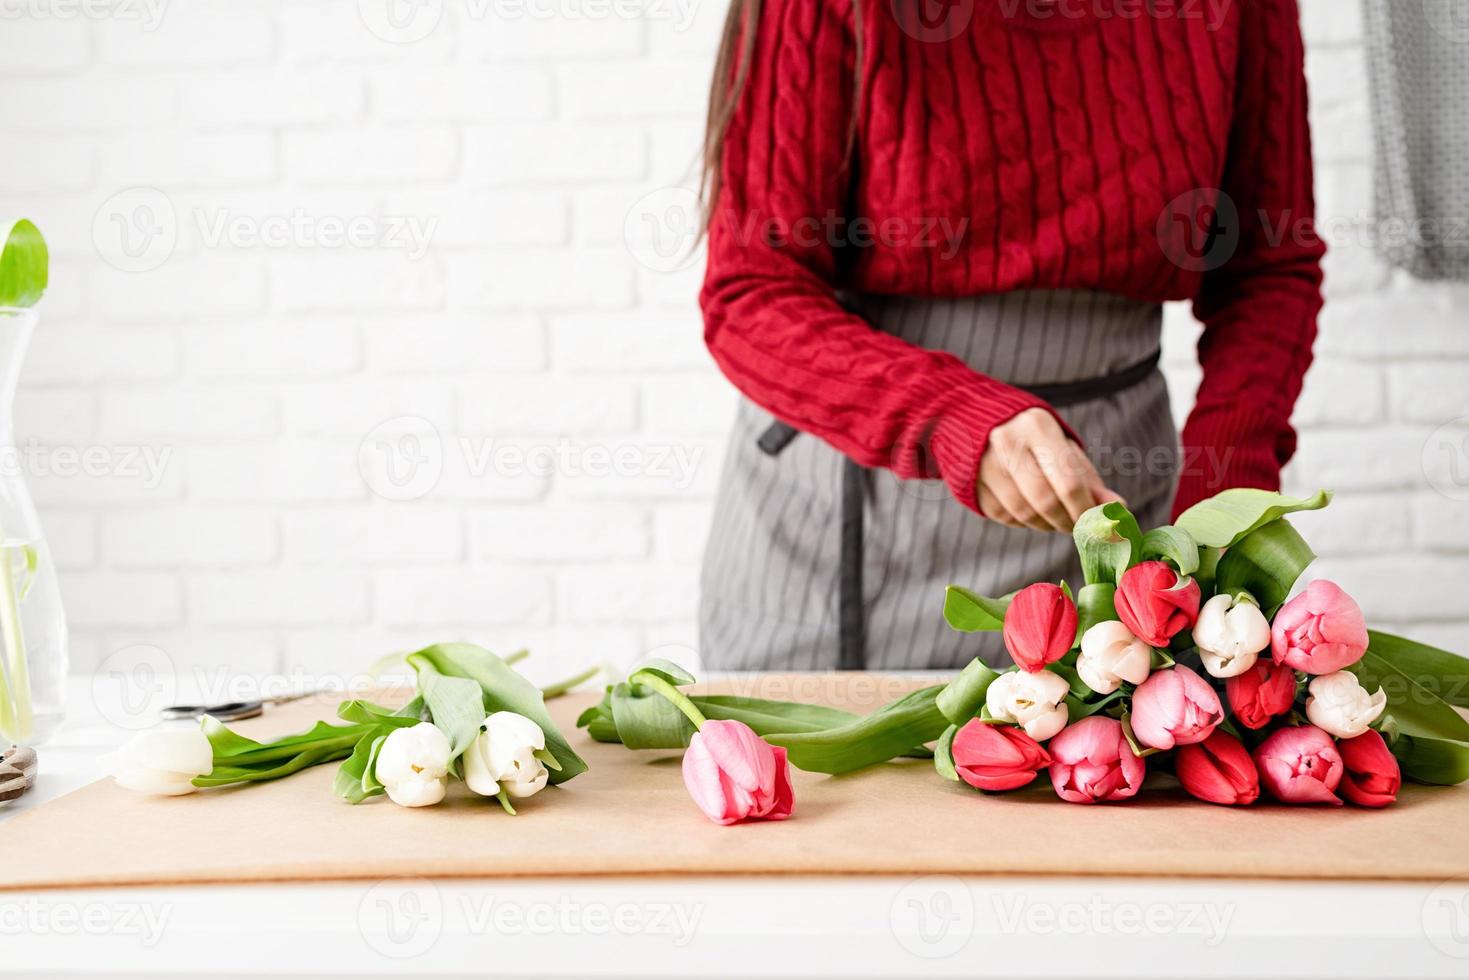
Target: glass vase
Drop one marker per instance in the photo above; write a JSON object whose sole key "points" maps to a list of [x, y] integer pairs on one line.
{"points": [[33, 642]]}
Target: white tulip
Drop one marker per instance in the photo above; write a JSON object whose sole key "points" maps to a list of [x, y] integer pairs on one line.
{"points": [[163, 762], [413, 765], [503, 757], [1036, 702], [1110, 654], [1339, 705], [1230, 635]]}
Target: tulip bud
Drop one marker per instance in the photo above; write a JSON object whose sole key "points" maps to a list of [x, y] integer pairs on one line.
{"points": [[163, 762], [413, 765], [734, 775], [1036, 702], [1300, 765], [1040, 626], [996, 757], [1230, 635], [1320, 631], [503, 757], [1174, 707], [1219, 770], [1372, 774], [1155, 602], [1091, 762], [1338, 705], [1110, 654], [1261, 693]]}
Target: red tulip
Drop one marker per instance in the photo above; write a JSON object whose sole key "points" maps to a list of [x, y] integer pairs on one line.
{"points": [[1091, 762], [997, 757], [1219, 770], [1155, 602], [1300, 765], [1372, 777], [1261, 693], [1040, 626]]}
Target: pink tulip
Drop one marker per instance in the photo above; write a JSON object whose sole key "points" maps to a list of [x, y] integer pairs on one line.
{"points": [[1372, 774], [733, 774], [1040, 626], [1261, 693], [1155, 602], [1174, 707], [997, 757], [1319, 631], [1219, 770], [1300, 765], [1091, 762]]}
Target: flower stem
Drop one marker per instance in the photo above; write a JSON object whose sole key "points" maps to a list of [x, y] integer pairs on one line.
{"points": [[674, 696], [564, 687], [15, 682]]}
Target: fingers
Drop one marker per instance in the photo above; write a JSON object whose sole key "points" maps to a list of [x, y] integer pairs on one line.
{"points": [[1033, 475], [1003, 501]]}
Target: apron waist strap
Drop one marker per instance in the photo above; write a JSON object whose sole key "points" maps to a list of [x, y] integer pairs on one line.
{"points": [[852, 620]]}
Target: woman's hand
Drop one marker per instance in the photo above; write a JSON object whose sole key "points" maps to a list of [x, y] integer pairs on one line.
{"points": [[1032, 475]]}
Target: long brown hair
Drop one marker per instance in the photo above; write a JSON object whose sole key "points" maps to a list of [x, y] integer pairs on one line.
{"points": [[731, 72]]}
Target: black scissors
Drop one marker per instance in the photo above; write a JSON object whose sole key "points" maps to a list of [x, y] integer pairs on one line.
{"points": [[230, 710]]}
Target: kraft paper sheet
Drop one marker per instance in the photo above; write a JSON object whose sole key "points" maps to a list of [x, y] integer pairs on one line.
{"points": [[630, 815]]}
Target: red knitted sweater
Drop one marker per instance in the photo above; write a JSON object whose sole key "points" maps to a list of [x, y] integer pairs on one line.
{"points": [[1011, 144]]}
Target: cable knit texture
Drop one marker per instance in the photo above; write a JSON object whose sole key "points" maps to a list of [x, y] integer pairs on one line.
{"points": [[1025, 144]]}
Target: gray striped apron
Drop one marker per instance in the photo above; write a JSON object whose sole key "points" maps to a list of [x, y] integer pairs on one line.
{"points": [[771, 589]]}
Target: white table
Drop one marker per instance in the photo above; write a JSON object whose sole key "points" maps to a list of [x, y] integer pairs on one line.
{"points": [[727, 926]]}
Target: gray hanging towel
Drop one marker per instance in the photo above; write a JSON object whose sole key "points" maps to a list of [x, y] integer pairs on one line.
{"points": [[1418, 64]]}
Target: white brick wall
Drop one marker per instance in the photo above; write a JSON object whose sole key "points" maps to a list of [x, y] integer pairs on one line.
{"points": [[577, 423]]}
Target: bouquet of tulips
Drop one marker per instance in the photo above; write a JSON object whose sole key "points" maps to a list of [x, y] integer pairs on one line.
{"points": [[1182, 649]]}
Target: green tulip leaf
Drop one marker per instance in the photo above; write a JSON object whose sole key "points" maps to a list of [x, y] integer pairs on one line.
{"points": [[1437, 762], [1096, 603], [1224, 519], [969, 612], [503, 689], [456, 704], [889, 732], [668, 670], [961, 698], [24, 264], [1445, 674], [1109, 542], [1415, 710], [1265, 563], [1172, 544], [943, 754]]}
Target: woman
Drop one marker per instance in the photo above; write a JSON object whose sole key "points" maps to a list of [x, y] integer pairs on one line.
{"points": [[939, 238]]}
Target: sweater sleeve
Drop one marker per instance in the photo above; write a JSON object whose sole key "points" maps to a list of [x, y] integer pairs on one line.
{"points": [[771, 315], [1259, 305]]}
